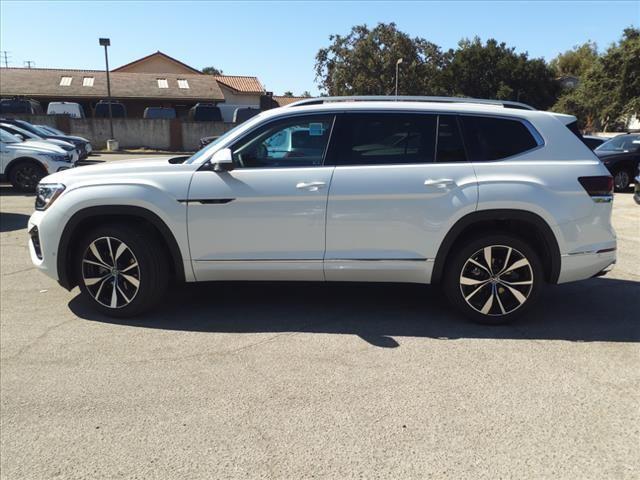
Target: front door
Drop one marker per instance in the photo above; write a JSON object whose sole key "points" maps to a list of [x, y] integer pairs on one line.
{"points": [[400, 182], [264, 220]]}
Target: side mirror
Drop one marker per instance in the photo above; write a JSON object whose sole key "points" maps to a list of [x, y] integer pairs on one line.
{"points": [[222, 160]]}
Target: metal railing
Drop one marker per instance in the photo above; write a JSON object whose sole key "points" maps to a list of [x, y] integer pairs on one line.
{"points": [[392, 98]]}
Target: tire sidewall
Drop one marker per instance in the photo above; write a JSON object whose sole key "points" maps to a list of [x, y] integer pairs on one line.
{"points": [[153, 277], [454, 269]]}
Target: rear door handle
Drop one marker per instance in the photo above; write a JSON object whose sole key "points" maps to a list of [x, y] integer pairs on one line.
{"points": [[310, 186], [439, 182]]}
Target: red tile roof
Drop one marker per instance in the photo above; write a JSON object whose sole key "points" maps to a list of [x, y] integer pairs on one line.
{"points": [[241, 84]]}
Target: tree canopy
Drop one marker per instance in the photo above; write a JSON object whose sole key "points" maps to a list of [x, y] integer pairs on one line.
{"points": [[212, 71], [609, 89]]}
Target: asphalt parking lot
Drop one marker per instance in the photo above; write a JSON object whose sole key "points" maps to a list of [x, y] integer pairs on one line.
{"points": [[317, 381]]}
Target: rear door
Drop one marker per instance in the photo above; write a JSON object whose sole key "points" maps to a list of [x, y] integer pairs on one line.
{"points": [[400, 182]]}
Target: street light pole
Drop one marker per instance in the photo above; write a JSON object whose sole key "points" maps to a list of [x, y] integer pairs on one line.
{"points": [[397, 70], [105, 42]]}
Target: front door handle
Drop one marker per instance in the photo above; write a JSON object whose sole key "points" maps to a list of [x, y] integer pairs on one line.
{"points": [[310, 186], [439, 182]]}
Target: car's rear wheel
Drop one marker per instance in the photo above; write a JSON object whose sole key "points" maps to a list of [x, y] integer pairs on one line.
{"points": [[494, 279], [25, 175], [621, 180], [121, 270]]}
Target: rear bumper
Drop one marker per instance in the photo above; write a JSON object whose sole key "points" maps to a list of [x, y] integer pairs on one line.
{"points": [[583, 265]]}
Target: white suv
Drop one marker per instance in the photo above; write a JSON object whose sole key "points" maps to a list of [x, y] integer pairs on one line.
{"points": [[25, 162], [491, 200]]}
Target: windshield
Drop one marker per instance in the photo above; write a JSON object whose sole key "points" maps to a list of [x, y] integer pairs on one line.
{"points": [[6, 137], [39, 130], [12, 129], [196, 157], [51, 130], [621, 143]]}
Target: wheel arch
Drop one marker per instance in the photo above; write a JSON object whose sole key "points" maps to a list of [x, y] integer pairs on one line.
{"points": [[89, 216], [12, 164], [522, 223]]}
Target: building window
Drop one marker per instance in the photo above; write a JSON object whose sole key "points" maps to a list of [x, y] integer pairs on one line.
{"points": [[65, 81], [162, 83], [87, 82], [183, 83]]}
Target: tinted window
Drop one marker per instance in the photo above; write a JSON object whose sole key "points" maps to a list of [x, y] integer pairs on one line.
{"points": [[294, 142], [378, 139], [117, 110], [205, 113], [490, 138], [450, 146]]}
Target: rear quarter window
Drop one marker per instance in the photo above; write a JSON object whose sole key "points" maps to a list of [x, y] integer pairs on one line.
{"points": [[490, 138]]}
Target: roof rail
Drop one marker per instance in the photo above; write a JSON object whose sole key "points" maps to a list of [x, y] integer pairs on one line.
{"points": [[392, 98]]}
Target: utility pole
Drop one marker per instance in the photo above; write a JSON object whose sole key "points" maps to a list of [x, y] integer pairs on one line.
{"points": [[397, 70], [105, 42], [29, 63], [5, 58]]}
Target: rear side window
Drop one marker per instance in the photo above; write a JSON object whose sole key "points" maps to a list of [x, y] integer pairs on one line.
{"points": [[383, 139], [489, 138], [450, 146]]}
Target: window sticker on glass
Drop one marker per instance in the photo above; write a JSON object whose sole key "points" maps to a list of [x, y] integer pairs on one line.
{"points": [[316, 129]]}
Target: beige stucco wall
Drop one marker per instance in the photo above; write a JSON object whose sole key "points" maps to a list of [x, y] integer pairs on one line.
{"points": [[156, 65]]}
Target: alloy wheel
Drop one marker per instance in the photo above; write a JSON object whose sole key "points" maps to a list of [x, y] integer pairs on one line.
{"points": [[111, 272], [27, 176], [496, 280], [621, 180]]}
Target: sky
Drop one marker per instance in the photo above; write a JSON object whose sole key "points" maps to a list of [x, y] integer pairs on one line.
{"points": [[278, 41]]}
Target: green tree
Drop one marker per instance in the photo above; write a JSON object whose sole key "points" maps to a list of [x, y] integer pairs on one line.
{"points": [[288, 93], [212, 71], [493, 70], [306, 94], [364, 63], [575, 62], [609, 91]]}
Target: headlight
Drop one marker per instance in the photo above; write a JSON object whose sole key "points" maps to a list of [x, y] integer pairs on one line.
{"points": [[46, 194], [56, 157]]}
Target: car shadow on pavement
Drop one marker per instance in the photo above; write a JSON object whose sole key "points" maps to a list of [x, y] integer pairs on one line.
{"points": [[7, 190], [595, 310], [10, 222]]}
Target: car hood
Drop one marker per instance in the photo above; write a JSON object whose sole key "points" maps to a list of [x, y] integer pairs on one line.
{"points": [[68, 138], [115, 171], [36, 146]]}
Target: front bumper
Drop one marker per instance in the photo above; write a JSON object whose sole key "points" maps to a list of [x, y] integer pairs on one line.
{"points": [[44, 234], [636, 192]]}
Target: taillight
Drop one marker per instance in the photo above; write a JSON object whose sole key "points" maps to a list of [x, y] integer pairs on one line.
{"points": [[600, 189]]}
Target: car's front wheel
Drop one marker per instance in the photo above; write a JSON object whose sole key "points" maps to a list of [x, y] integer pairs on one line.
{"points": [[493, 279], [121, 270], [25, 175]]}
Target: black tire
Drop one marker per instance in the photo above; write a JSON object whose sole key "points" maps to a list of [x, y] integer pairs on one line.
{"points": [[25, 175], [480, 284], [142, 248], [622, 179]]}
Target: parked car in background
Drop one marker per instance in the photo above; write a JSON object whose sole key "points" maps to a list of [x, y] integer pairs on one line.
{"points": [[82, 144], [492, 200], [23, 134], [205, 112], [50, 129], [20, 105], [636, 193], [25, 162], [72, 109], [592, 141], [118, 110], [243, 114], [154, 113], [621, 156]]}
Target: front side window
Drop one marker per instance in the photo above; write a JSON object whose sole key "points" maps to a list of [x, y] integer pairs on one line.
{"points": [[385, 138], [491, 138], [294, 142]]}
